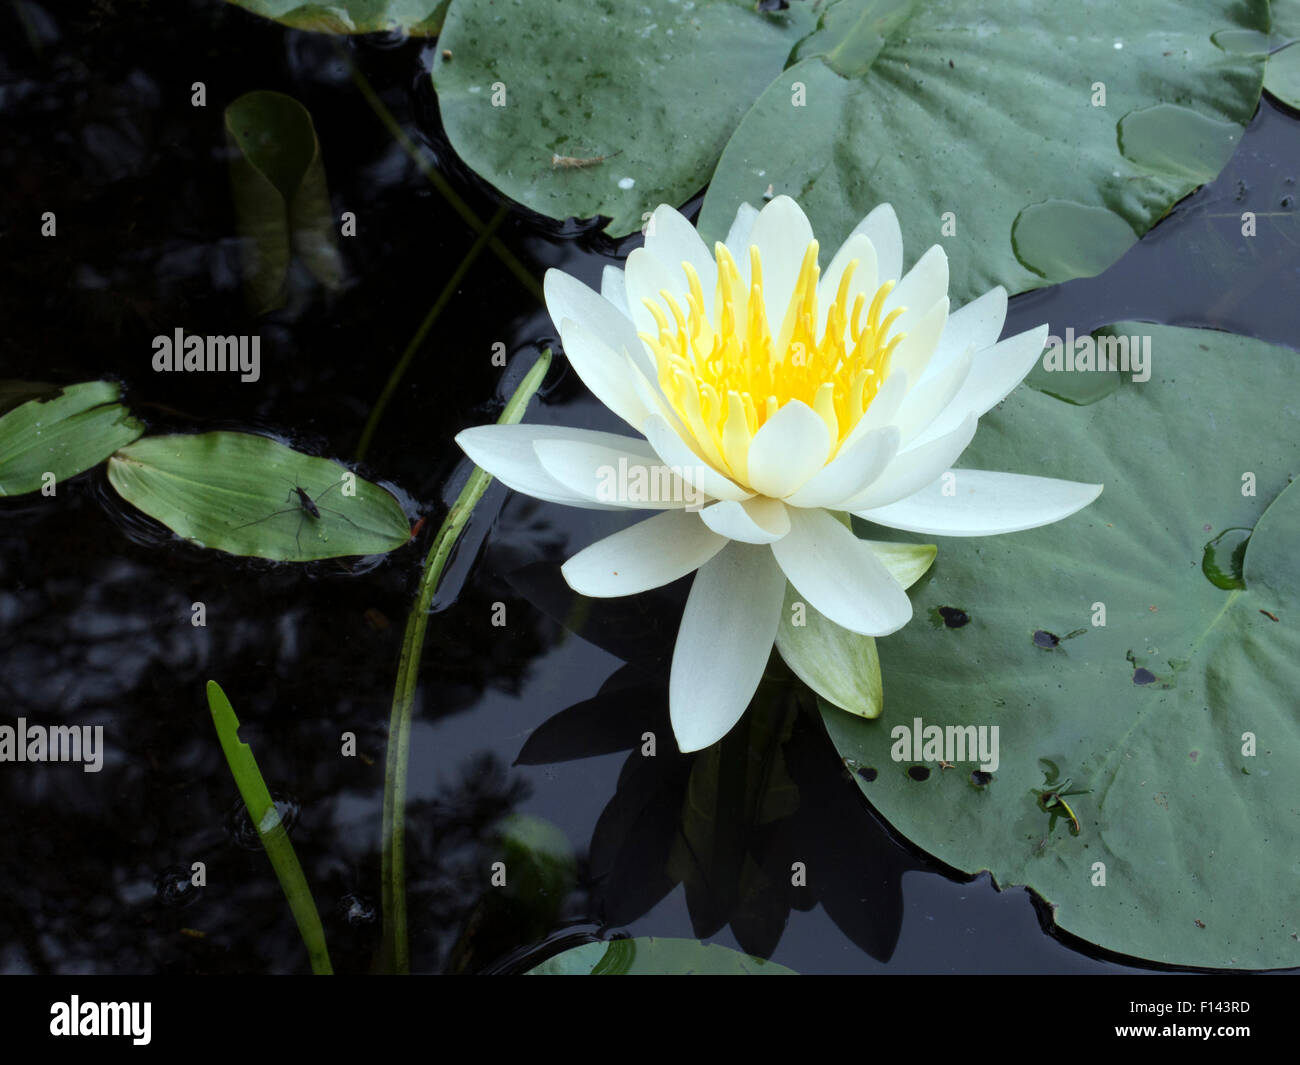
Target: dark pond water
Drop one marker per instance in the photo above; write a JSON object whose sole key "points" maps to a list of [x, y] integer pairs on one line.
{"points": [[541, 716]]}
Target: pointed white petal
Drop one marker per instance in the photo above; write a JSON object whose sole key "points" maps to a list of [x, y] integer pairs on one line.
{"points": [[985, 503], [626, 473], [918, 345], [675, 453], [603, 371], [851, 472], [915, 468], [672, 240], [614, 289], [737, 241], [782, 234], [724, 642], [649, 554], [841, 575], [995, 372], [506, 452], [755, 521], [881, 228], [788, 449], [921, 288], [976, 324], [933, 395], [567, 297], [647, 278]]}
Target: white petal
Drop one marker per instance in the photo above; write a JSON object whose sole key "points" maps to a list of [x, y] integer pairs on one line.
{"points": [[933, 395], [678, 456], [782, 234], [840, 575], [646, 279], [921, 288], [918, 345], [864, 277], [649, 554], [851, 472], [724, 642], [506, 452], [995, 372], [978, 323], [567, 297], [881, 228], [882, 409], [755, 521], [737, 241], [985, 503], [672, 240], [788, 449], [614, 289], [604, 371], [915, 468], [625, 472]]}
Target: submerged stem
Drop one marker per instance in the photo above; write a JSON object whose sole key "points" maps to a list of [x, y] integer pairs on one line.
{"points": [[403, 364], [393, 872]]}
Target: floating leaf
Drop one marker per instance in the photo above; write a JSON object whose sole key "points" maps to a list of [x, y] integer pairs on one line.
{"points": [[416, 17], [976, 113], [282, 203], [1104, 654], [64, 432], [238, 493], [653, 956], [655, 88]]}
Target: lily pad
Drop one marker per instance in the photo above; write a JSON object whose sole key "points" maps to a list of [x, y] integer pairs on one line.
{"points": [[604, 108], [282, 203], [238, 493], [653, 956], [976, 118], [62, 432], [417, 17], [1105, 656]]}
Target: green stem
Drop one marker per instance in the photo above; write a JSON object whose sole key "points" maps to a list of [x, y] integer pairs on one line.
{"points": [[393, 869], [266, 819], [440, 183], [403, 364]]}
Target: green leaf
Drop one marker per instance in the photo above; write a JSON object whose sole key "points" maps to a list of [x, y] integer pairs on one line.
{"points": [[654, 87], [417, 17], [985, 110], [843, 667], [64, 432], [236, 492], [1281, 47], [270, 829], [282, 203], [1149, 715], [653, 956]]}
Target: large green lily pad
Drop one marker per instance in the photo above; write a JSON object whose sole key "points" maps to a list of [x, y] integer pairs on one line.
{"points": [[59, 433], [1151, 716], [654, 956], [655, 87], [419, 17], [238, 493], [982, 115]]}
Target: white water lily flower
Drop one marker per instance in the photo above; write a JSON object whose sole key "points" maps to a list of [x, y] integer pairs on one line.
{"points": [[771, 399]]}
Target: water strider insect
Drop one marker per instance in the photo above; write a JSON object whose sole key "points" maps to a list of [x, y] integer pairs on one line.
{"points": [[308, 507]]}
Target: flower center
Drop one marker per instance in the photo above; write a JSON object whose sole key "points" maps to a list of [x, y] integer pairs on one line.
{"points": [[727, 376]]}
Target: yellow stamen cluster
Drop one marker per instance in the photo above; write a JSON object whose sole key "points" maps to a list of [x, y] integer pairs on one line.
{"points": [[726, 376]]}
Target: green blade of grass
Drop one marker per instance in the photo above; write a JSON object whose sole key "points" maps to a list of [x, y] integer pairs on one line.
{"points": [[270, 829], [396, 947]]}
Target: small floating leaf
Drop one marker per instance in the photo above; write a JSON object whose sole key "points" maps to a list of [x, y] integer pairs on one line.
{"points": [[653, 956], [421, 18], [238, 493], [1224, 558], [282, 203], [64, 432]]}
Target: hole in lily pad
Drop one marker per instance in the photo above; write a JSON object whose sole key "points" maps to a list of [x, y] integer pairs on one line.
{"points": [[1045, 639], [1143, 676], [867, 773], [1224, 556], [953, 617], [980, 778], [918, 772]]}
